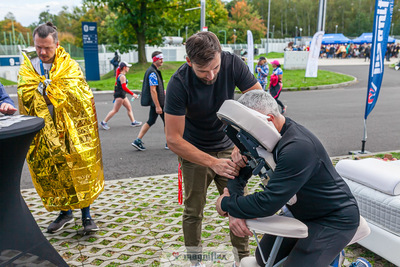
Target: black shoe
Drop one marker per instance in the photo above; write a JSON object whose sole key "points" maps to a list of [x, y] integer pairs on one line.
{"points": [[60, 222], [89, 225], [138, 144]]}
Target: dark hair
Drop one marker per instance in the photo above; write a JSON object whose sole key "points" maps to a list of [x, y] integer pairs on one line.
{"points": [[261, 58], [45, 30], [155, 53], [202, 47]]}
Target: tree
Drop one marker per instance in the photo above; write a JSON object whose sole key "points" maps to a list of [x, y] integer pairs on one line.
{"points": [[177, 19], [46, 16], [14, 31], [9, 16], [137, 21], [244, 18]]}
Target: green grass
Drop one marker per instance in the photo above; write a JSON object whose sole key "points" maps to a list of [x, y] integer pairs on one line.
{"points": [[295, 78], [135, 76], [291, 78], [7, 82], [271, 55]]}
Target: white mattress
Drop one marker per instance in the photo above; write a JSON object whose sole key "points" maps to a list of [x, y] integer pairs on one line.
{"points": [[376, 207], [378, 174]]}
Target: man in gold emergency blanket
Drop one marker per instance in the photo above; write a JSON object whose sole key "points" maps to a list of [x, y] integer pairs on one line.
{"points": [[65, 158]]}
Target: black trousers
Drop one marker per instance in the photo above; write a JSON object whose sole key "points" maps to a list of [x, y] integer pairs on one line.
{"points": [[153, 116], [319, 249]]}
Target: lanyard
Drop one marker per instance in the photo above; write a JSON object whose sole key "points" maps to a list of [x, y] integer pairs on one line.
{"points": [[42, 69]]}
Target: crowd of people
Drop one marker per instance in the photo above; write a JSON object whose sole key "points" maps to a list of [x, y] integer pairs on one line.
{"points": [[356, 51], [348, 50], [193, 132]]}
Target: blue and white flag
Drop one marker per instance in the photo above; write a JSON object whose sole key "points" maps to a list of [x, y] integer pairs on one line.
{"points": [[250, 51], [382, 21]]}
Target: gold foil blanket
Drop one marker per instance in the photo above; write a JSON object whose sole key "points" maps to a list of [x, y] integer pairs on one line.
{"points": [[65, 158]]}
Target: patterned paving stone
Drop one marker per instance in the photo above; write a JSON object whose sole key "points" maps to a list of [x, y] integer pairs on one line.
{"points": [[140, 223]]}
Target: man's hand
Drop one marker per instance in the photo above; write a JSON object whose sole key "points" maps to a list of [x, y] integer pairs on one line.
{"points": [[225, 167], [238, 227], [219, 200], [7, 109], [238, 158], [158, 110]]}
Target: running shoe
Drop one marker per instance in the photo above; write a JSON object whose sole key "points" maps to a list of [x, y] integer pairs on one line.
{"points": [[136, 123], [60, 222], [104, 125], [138, 144], [89, 225]]}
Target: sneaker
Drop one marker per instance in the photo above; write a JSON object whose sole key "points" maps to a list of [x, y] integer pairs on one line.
{"points": [[89, 225], [60, 222], [166, 146], [136, 123], [104, 125], [338, 261], [361, 262], [138, 144]]}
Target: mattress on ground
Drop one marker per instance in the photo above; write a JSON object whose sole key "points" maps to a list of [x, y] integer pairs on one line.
{"points": [[376, 207], [375, 173]]}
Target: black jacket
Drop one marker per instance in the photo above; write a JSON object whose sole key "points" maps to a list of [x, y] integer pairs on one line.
{"points": [[146, 99], [304, 168]]}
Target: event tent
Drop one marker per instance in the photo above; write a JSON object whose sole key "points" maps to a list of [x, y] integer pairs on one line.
{"points": [[335, 38], [367, 38]]}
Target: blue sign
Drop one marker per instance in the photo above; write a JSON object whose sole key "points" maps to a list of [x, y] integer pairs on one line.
{"points": [[90, 50], [382, 20], [9, 61]]}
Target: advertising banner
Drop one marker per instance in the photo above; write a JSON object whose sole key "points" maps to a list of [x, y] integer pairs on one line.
{"points": [[380, 34], [250, 51], [315, 48]]}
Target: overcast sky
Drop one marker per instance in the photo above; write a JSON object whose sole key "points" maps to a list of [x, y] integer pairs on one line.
{"points": [[27, 11]]}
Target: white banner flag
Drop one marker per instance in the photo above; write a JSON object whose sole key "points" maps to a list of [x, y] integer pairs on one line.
{"points": [[250, 51], [315, 48]]}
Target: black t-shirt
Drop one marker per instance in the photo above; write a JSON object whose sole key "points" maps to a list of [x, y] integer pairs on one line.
{"points": [[187, 95], [304, 168]]}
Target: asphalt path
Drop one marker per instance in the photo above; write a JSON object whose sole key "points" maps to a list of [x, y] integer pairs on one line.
{"points": [[334, 115]]}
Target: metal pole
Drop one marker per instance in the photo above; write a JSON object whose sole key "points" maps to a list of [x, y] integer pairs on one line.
{"points": [[269, 10], [364, 138], [273, 31], [186, 28], [203, 14], [13, 31], [321, 15], [392, 28]]}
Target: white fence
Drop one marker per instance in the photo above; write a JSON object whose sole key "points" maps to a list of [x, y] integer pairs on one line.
{"points": [[171, 53]]}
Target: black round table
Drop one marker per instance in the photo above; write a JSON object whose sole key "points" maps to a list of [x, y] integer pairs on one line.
{"points": [[22, 243]]}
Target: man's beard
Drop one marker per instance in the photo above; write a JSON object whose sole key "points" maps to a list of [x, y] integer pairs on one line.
{"points": [[208, 82]]}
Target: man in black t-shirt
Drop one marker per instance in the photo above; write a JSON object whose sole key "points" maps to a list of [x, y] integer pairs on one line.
{"points": [[194, 94], [303, 169]]}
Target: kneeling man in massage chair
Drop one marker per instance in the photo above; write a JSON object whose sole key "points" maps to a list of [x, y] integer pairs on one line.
{"points": [[323, 200]]}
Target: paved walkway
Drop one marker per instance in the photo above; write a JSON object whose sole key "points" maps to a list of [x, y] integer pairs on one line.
{"points": [[140, 221], [140, 225]]}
